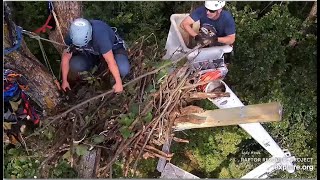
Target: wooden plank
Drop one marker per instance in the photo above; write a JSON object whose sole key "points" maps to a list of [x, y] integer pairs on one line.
{"points": [[267, 112]]}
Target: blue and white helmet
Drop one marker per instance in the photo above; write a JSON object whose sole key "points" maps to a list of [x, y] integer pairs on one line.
{"points": [[80, 32]]}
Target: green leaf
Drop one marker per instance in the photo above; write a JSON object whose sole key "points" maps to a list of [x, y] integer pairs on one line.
{"points": [[149, 88], [22, 159], [98, 139], [49, 134], [126, 121], [148, 117], [125, 132], [67, 155], [81, 150], [12, 151], [134, 109]]}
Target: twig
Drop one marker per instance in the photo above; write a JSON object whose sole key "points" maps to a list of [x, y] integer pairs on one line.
{"points": [[93, 145], [151, 148], [180, 140], [122, 146], [77, 142], [158, 119], [72, 136]]}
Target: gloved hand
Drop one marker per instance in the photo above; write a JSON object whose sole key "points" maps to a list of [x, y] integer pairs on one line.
{"points": [[214, 39], [71, 49]]}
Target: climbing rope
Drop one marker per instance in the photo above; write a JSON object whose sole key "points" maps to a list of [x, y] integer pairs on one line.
{"points": [[35, 36], [46, 60], [51, 9]]}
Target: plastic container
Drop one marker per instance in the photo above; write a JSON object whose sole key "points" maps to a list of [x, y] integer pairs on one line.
{"points": [[177, 39]]}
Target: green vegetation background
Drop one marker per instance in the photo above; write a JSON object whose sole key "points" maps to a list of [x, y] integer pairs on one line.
{"points": [[264, 69]]}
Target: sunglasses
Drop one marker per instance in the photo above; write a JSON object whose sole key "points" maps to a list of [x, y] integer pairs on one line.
{"points": [[211, 11]]}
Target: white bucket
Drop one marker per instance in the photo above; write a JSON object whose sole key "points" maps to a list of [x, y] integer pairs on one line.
{"points": [[178, 39]]}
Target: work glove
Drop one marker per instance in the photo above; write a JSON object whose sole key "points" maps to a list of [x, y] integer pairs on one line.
{"points": [[71, 49]]}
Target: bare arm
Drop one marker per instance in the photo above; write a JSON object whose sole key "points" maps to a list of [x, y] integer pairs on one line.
{"points": [[65, 64], [113, 67], [186, 25], [227, 39]]}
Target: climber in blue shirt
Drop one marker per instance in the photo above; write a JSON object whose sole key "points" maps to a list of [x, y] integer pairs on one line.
{"points": [[92, 40], [216, 24]]}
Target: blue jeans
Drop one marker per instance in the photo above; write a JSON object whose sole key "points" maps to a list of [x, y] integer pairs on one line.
{"points": [[80, 63]]}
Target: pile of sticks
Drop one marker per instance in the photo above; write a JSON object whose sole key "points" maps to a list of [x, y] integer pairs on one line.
{"points": [[174, 93]]}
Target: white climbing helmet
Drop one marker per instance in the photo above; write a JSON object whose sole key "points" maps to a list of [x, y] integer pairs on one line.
{"points": [[214, 5], [80, 32]]}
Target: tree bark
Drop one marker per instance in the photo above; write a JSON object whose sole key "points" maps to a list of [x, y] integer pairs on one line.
{"points": [[42, 89], [66, 12]]}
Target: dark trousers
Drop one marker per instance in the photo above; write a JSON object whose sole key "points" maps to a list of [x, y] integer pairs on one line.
{"points": [[81, 63]]}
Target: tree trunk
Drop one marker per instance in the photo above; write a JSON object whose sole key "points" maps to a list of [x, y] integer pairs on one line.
{"points": [[66, 12], [42, 89]]}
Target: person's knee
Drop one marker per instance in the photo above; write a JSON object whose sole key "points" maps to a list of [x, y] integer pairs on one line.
{"points": [[123, 64]]}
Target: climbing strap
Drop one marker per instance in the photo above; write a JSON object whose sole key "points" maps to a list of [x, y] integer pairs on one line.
{"points": [[43, 28], [119, 40]]}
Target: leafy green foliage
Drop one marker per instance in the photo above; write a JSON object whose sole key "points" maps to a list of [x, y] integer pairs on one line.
{"points": [[81, 149], [98, 139], [18, 165], [63, 170], [266, 65], [125, 132]]}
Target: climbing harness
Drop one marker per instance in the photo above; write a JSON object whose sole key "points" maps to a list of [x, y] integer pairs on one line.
{"points": [[119, 40]]}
